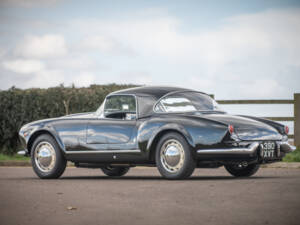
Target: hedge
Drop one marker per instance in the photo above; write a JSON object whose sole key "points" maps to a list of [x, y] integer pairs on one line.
{"points": [[18, 107]]}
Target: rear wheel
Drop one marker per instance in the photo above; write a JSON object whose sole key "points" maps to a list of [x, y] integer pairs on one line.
{"points": [[115, 171], [173, 157], [238, 170], [47, 159]]}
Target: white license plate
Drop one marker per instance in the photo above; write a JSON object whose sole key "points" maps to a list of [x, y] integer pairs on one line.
{"points": [[268, 149]]}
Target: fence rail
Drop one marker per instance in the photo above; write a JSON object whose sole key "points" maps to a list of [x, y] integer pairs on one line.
{"points": [[257, 101], [295, 118]]}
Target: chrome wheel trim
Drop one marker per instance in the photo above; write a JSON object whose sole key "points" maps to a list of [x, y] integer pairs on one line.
{"points": [[172, 155], [44, 156]]}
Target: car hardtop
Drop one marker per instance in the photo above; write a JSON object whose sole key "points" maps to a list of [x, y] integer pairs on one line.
{"points": [[156, 92]]}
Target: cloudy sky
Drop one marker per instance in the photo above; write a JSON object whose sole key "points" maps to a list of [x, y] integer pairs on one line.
{"points": [[234, 49]]}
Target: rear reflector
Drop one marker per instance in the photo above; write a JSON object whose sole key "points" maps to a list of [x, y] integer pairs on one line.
{"points": [[230, 129], [286, 129]]}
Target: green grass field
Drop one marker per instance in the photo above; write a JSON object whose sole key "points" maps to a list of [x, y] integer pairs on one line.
{"points": [[13, 158], [292, 157]]}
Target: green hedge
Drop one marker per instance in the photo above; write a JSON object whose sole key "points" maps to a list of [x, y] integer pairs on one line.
{"points": [[18, 107]]}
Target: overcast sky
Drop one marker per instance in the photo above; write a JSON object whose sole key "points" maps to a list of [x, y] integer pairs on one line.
{"points": [[234, 49]]}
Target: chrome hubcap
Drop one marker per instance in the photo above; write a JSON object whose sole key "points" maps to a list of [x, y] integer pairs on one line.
{"points": [[44, 156], [172, 155]]}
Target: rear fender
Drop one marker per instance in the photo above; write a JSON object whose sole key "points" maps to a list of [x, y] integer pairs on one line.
{"points": [[279, 127], [171, 127]]}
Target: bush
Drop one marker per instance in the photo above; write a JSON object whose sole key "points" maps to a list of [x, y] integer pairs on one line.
{"points": [[18, 107]]}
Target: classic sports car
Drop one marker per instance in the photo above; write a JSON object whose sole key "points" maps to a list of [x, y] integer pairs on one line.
{"points": [[175, 129]]}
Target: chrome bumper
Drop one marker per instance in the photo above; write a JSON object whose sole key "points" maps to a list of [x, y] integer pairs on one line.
{"points": [[231, 151], [250, 150], [23, 152], [286, 147]]}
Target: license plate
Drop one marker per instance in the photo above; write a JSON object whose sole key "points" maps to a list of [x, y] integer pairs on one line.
{"points": [[268, 150]]}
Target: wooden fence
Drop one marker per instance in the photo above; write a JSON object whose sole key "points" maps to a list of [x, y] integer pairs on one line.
{"points": [[295, 118]]}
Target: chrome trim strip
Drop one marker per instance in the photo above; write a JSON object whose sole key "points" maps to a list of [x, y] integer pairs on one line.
{"points": [[104, 151], [251, 149], [286, 147]]}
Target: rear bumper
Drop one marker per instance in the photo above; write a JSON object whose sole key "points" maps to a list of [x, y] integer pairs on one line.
{"points": [[286, 147], [251, 150]]}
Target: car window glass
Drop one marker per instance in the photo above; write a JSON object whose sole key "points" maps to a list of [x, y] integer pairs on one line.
{"points": [[122, 105], [175, 104], [187, 102]]}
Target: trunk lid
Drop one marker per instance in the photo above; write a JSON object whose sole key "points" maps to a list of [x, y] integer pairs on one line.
{"points": [[247, 129]]}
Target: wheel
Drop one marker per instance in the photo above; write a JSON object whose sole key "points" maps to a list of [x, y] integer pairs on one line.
{"points": [[238, 170], [47, 159], [115, 171], [173, 157]]}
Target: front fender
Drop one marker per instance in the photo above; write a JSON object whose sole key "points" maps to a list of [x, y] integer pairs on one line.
{"points": [[39, 130]]}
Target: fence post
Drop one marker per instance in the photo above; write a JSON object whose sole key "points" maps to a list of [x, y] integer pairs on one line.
{"points": [[297, 119]]}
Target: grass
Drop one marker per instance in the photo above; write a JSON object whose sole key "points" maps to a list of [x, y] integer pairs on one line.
{"points": [[16, 157], [293, 156]]}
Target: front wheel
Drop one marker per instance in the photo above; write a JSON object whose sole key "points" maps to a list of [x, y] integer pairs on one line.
{"points": [[115, 171], [238, 170], [47, 159], [173, 157]]}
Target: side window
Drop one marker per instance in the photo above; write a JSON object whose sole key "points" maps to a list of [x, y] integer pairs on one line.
{"points": [[120, 107], [174, 104]]}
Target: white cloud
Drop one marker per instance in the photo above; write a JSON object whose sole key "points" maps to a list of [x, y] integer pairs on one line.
{"points": [[99, 42], [46, 46], [24, 66], [252, 54], [28, 3], [2, 52], [105, 44], [255, 55], [75, 62], [44, 79], [84, 79]]}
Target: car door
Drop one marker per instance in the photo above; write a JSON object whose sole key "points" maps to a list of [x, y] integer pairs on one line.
{"points": [[115, 128]]}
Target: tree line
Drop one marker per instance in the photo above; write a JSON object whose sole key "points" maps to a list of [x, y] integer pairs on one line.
{"points": [[21, 106]]}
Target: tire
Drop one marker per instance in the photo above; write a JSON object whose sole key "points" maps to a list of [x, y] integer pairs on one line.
{"points": [[242, 172], [174, 158], [47, 159], [115, 171]]}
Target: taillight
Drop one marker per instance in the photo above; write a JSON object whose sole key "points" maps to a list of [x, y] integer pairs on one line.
{"points": [[230, 129], [286, 129]]}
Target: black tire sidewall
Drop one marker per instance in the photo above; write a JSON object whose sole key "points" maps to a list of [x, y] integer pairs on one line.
{"points": [[115, 171], [60, 163], [189, 161], [246, 172]]}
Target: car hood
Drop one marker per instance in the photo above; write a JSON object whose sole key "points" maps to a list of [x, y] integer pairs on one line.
{"points": [[71, 116], [245, 128], [80, 115]]}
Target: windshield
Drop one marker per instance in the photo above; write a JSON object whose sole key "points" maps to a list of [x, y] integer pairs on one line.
{"points": [[187, 102]]}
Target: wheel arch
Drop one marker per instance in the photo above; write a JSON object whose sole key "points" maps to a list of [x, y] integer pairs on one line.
{"points": [[154, 141], [38, 133]]}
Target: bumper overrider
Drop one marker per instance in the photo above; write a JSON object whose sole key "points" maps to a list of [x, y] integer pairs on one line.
{"points": [[251, 150]]}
